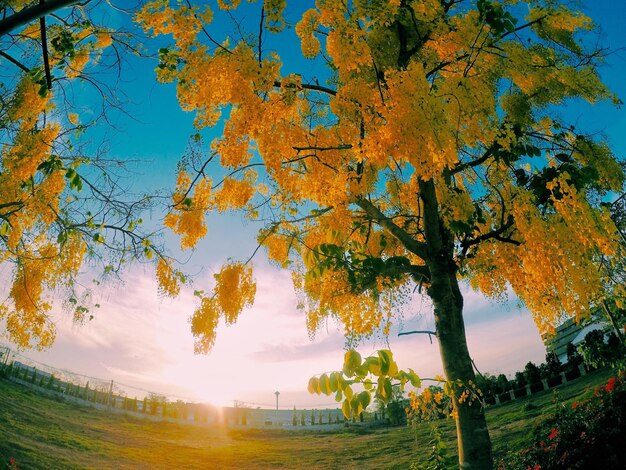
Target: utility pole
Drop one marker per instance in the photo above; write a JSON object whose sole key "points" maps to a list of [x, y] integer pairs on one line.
{"points": [[110, 396], [277, 393]]}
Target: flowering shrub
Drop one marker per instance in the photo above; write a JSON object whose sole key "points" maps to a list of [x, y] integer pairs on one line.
{"points": [[584, 435], [8, 463]]}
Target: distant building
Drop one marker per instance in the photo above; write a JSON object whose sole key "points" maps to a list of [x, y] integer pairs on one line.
{"points": [[569, 332]]}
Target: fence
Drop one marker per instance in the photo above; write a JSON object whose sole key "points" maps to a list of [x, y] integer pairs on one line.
{"points": [[118, 397], [530, 389]]}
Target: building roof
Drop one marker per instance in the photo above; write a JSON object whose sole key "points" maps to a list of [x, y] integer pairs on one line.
{"points": [[569, 332]]}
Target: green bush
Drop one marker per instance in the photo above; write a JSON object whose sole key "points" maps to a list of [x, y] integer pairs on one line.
{"points": [[585, 435]]}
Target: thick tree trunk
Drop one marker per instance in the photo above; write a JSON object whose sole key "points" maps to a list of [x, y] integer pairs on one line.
{"points": [[474, 444], [473, 440]]}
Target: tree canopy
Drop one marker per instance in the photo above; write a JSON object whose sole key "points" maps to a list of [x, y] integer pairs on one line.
{"points": [[419, 96], [62, 204], [421, 143], [409, 142]]}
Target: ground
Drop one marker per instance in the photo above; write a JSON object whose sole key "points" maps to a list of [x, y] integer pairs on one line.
{"points": [[42, 432]]}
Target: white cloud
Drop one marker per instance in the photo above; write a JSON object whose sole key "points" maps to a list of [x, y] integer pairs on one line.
{"points": [[142, 340]]}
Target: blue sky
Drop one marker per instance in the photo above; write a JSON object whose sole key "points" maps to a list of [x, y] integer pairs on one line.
{"points": [[140, 339]]}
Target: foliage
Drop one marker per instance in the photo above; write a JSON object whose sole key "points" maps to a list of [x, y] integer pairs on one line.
{"points": [[597, 351], [574, 359], [8, 463], [375, 373], [520, 379], [438, 458], [503, 383], [532, 373], [61, 206], [394, 407], [430, 151], [342, 169], [430, 405], [587, 434], [553, 365]]}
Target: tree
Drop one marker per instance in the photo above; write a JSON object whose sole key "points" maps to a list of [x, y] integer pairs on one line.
{"points": [[553, 365], [574, 359], [430, 152], [394, 407], [520, 379], [487, 383], [598, 351], [532, 373], [62, 206], [503, 384]]}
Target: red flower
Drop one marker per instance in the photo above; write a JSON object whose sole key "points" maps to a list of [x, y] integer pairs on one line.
{"points": [[583, 435], [574, 405], [553, 433], [610, 384], [537, 467]]}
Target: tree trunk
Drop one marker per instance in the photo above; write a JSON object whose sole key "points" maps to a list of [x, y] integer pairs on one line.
{"points": [[616, 327], [474, 444]]}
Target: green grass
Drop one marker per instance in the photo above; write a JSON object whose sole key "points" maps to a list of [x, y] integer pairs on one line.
{"points": [[41, 432]]}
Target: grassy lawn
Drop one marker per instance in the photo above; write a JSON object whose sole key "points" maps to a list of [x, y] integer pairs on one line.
{"points": [[40, 432]]}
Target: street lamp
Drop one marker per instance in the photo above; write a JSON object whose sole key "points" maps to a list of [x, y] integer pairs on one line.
{"points": [[276, 393]]}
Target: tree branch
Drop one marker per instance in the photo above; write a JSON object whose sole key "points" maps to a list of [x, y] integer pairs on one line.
{"points": [[323, 149], [44, 49], [495, 234], [415, 247], [14, 61], [33, 13], [463, 166], [322, 89]]}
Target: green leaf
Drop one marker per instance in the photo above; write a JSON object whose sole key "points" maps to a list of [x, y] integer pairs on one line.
{"points": [[324, 383], [346, 409], [5, 228], [314, 385], [334, 382], [351, 361], [355, 405], [361, 371], [384, 390], [347, 390], [367, 384], [365, 398], [414, 378], [61, 237], [386, 358], [373, 364], [338, 395]]}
